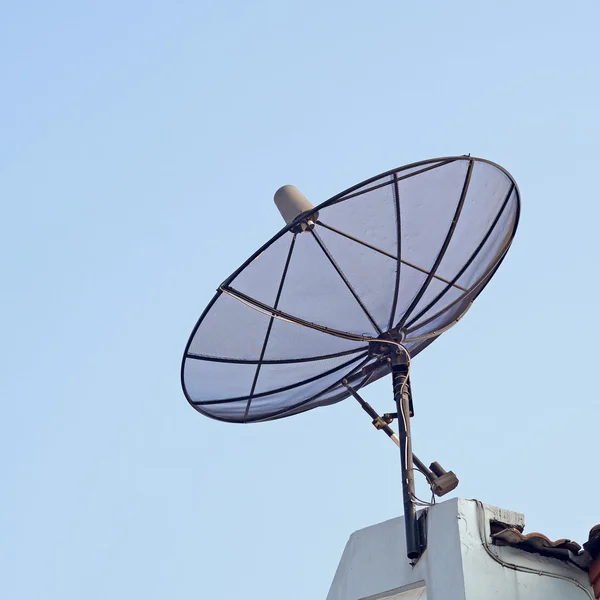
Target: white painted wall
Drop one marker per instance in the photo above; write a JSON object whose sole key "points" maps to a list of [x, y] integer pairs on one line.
{"points": [[455, 565]]}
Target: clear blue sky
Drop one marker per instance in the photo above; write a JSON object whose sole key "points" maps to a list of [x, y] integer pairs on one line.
{"points": [[141, 143]]}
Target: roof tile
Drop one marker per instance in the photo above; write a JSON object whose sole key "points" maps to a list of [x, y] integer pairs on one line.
{"points": [[587, 558]]}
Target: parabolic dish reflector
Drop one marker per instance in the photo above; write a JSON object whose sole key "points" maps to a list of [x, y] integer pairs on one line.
{"points": [[400, 256]]}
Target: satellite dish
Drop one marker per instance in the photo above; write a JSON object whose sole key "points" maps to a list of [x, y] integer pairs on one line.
{"points": [[348, 292]]}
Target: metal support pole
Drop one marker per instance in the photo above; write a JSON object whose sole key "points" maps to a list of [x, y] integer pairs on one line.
{"points": [[402, 398], [381, 424]]}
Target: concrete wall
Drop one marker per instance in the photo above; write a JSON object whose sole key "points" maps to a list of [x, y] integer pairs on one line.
{"points": [[455, 565]]}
